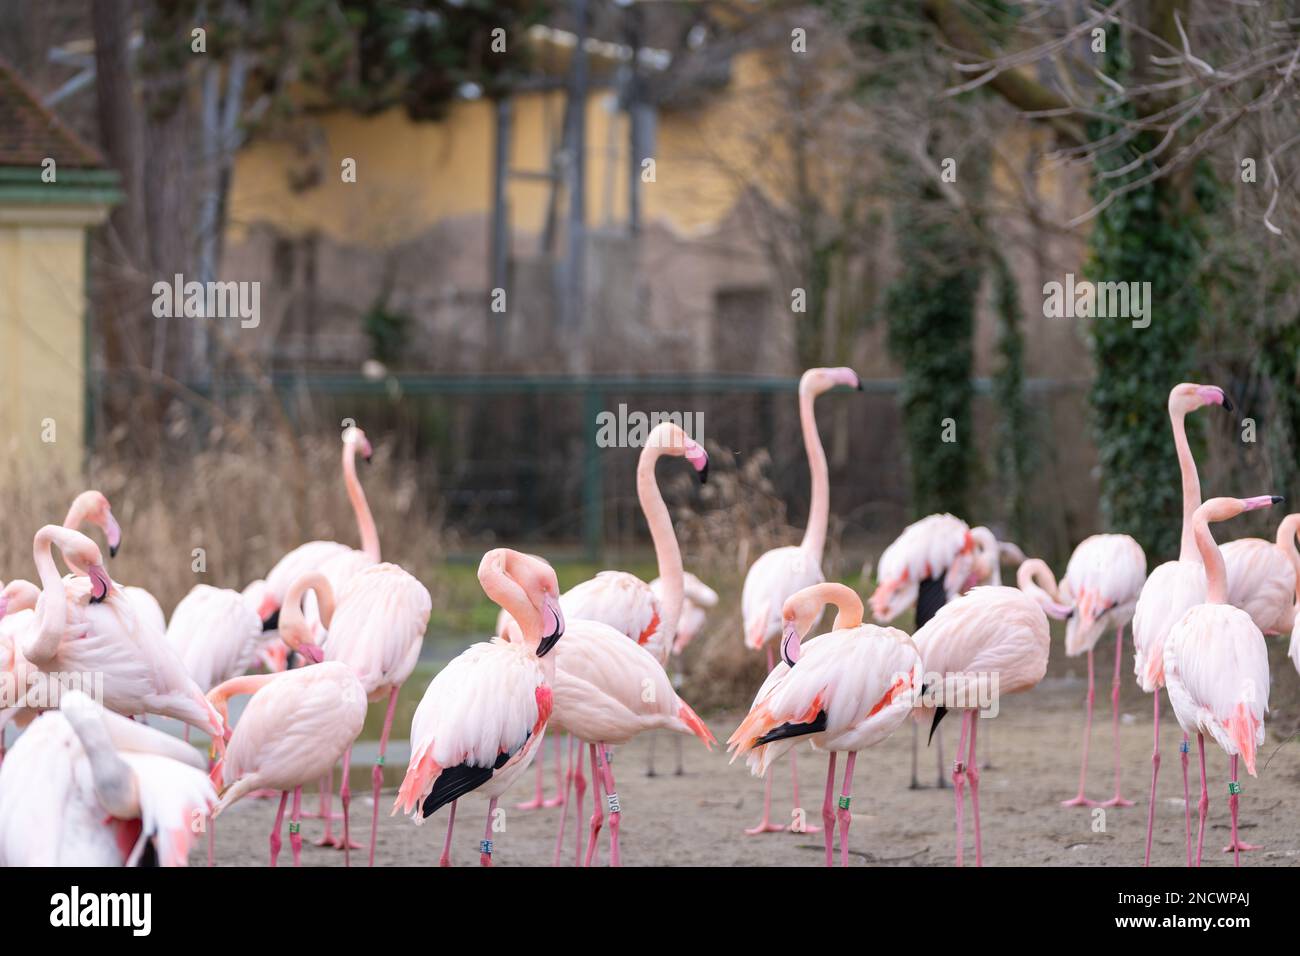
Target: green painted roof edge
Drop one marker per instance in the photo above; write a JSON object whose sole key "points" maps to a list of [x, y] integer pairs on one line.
{"points": [[23, 184]]}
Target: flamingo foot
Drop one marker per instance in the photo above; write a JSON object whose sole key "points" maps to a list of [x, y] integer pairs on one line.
{"points": [[765, 826], [555, 801], [1115, 801], [534, 804], [1080, 801], [1243, 847], [337, 843]]}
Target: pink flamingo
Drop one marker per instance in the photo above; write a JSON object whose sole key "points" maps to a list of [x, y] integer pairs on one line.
{"points": [[1171, 590], [296, 726], [844, 691], [1216, 668], [337, 561], [83, 625], [1101, 585], [377, 629], [990, 642], [607, 690], [483, 717], [1262, 577], [93, 507], [697, 599], [87, 787], [781, 572], [216, 635], [935, 559]]}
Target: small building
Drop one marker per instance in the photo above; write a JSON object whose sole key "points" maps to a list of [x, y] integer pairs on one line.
{"points": [[53, 189]]}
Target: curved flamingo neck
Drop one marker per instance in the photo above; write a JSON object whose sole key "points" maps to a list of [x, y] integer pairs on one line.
{"points": [[53, 622], [356, 495], [668, 553], [1035, 575], [509, 595], [846, 601], [814, 536], [1191, 484], [1216, 575], [1286, 538], [292, 623]]}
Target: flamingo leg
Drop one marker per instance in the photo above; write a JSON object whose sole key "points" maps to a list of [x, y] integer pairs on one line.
{"points": [[564, 806], [485, 848], [942, 784], [1117, 800], [828, 810], [1236, 847], [973, 774], [538, 799], [597, 814], [1155, 772], [611, 799], [561, 793], [916, 746], [580, 786], [377, 774], [275, 832], [345, 795], [445, 859], [1187, 798], [295, 827], [1204, 805], [766, 825], [845, 818], [959, 782], [1080, 800]]}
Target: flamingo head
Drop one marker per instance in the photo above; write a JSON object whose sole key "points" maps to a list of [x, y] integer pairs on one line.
{"points": [[818, 380], [100, 583], [527, 588], [1189, 396], [93, 506], [355, 436], [891, 598], [670, 438]]}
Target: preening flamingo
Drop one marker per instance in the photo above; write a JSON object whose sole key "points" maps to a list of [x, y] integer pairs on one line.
{"points": [[781, 572], [337, 561], [87, 787], [977, 649], [932, 561], [1262, 577], [846, 690], [482, 718], [1101, 585], [377, 629], [83, 625], [608, 690], [1171, 589], [216, 635], [296, 726], [698, 597], [93, 507], [1216, 668]]}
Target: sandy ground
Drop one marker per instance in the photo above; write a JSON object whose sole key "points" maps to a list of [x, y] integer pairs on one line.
{"points": [[697, 818]]}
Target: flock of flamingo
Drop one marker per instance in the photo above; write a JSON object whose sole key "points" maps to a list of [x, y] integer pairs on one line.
{"points": [[336, 628]]}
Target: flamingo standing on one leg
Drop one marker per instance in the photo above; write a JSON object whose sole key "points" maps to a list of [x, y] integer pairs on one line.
{"points": [[1170, 590], [1101, 584], [83, 625], [377, 629], [845, 691], [87, 787], [297, 726], [697, 598], [931, 562], [986, 644], [483, 717], [1216, 667], [781, 572]]}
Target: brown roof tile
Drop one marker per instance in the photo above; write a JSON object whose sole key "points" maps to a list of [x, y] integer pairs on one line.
{"points": [[29, 132]]}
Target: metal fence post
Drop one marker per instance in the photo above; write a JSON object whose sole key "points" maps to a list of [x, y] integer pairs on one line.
{"points": [[593, 492]]}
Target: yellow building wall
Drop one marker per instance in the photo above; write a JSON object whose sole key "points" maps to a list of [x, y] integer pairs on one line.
{"points": [[42, 370]]}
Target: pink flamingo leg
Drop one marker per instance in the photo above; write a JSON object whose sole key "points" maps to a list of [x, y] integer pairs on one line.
{"points": [[973, 774], [1187, 798], [1205, 802], [1117, 800], [959, 783], [828, 810], [485, 848], [580, 788], [1155, 772], [597, 813], [445, 859], [275, 833], [325, 810], [295, 827], [798, 806], [766, 825], [845, 818], [1236, 847], [377, 774], [538, 800], [564, 806], [611, 799], [1080, 800], [345, 795], [561, 787]]}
